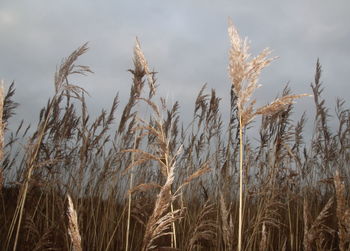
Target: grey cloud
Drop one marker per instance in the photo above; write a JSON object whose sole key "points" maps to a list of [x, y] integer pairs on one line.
{"points": [[186, 41]]}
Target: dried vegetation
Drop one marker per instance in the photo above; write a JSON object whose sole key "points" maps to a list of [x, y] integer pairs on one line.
{"points": [[146, 181]]}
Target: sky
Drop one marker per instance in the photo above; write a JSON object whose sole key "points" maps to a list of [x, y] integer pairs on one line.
{"points": [[185, 41]]}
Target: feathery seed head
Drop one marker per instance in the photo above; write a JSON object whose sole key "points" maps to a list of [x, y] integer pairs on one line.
{"points": [[73, 227], [244, 73], [141, 60]]}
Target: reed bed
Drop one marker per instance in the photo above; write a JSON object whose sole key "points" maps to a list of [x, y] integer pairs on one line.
{"points": [[140, 179]]}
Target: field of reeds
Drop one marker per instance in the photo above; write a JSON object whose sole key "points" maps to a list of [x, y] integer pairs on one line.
{"points": [[144, 180]]}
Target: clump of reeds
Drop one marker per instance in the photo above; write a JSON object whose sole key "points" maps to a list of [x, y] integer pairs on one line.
{"points": [[343, 213], [62, 87]]}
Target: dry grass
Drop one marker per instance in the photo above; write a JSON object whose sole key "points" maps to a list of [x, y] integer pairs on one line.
{"points": [[343, 213], [73, 226], [143, 180], [226, 225], [161, 219], [313, 230], [204, 231]]}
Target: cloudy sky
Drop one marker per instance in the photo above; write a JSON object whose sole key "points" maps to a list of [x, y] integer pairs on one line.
{"points": [[185, 41]]}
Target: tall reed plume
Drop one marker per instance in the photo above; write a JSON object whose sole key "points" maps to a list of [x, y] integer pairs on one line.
{"points": [[244, 73]]}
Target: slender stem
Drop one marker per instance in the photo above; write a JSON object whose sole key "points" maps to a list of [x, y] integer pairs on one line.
{"points": [[129, 198], [129, 214], [240, 223], [167, 162], [173, 224], [173, 236]]}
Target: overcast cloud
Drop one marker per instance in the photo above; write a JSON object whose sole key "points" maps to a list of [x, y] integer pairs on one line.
{"points": [[185, 41]]}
